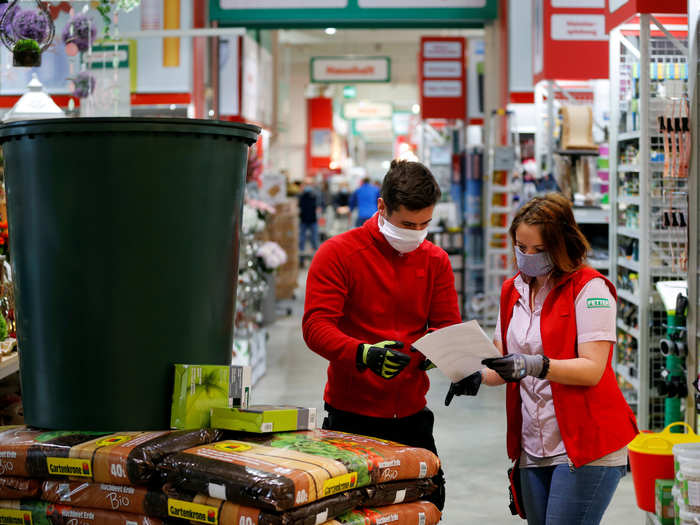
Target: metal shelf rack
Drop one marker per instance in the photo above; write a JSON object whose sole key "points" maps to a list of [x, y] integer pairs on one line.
{"points": [[644, 250], [694, 203]]}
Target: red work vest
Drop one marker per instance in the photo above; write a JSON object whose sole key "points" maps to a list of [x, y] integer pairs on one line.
{"points": [[593, 420]]}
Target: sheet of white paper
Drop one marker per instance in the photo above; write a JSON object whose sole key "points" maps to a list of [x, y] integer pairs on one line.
{"points": [[457, 350]]}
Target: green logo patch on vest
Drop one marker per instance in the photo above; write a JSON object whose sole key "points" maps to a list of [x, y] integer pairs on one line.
{"points": [[598, 302]]}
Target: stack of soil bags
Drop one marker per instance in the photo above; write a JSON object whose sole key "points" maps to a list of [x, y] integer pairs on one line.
{"points": [[154, 478], [305, 477], [115, 469]]}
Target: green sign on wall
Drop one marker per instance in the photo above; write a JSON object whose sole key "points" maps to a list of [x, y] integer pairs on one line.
{"points": [[353, 13]]}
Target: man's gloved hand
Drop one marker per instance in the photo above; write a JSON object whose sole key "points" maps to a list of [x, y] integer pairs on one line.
{"points": [[382, 358], [426, 364], [514, 367], [469, 386]]}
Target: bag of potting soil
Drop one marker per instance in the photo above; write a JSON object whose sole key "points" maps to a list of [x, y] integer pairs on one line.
{"points": [[19, 488], [292, 469], [30, 512], [24, 451], [219, 512], [397, 492], [419, 512], [228, 513], [123, 458], [389, 461], [122, 498]]}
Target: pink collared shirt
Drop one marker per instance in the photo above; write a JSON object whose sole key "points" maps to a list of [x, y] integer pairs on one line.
{"points": [[595, 321]]}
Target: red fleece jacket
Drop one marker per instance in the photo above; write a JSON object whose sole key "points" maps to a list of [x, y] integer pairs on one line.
{"points": [[360, 290]]}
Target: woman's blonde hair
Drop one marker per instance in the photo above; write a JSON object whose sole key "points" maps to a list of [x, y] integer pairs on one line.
{"points": [[563, 239]]}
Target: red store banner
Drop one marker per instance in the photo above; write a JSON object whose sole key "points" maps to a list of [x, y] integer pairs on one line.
{"points": [[319, 134], [442, 75], [569, 40], [617, 12]]}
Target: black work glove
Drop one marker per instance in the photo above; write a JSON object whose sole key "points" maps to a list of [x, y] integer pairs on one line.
{"points": [[469, 386], [382, 358], [426, 364], [514, 367]]}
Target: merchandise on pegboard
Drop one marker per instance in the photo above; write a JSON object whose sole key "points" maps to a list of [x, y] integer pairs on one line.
{"points": [[649, 154]]}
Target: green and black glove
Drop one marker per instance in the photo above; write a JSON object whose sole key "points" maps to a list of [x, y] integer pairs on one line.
{"points": [[382, 358]]}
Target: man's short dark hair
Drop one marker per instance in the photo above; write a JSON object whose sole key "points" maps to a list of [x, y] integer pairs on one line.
{"points": [[409, 184]]}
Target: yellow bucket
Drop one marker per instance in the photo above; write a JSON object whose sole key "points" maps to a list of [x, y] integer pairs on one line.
{"points": [[651, 458]]}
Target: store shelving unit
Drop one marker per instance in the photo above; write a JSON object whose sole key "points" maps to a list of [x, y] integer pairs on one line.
{"points": [[644, 249], [694, 202], [473, 166], [501, 204], [593, 220]]}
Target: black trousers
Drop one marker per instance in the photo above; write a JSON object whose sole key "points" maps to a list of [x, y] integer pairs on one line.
{"points": [[414, 431]]}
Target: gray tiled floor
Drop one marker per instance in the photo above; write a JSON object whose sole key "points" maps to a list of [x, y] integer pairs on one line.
{"points": [[470, 434]]}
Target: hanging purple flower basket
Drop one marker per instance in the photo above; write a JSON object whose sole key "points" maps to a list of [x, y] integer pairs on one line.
{"points": [[81, 31], [29, 24], [84, 84]]}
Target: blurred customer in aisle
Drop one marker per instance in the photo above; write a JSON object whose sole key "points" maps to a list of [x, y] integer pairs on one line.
{"points": [[568, 422], [370, 293], [364, 199], [309, 211], [341, 205]]}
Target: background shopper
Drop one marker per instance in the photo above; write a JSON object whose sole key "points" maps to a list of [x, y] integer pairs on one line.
{"points": [[370, 293], [364, 199], [309, 210], [568, 422]]}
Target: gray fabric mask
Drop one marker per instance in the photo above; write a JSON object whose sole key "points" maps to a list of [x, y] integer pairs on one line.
{"points": [[533, 265]]}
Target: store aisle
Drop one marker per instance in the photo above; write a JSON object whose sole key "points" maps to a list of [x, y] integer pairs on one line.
{"points": [[470, 434]]}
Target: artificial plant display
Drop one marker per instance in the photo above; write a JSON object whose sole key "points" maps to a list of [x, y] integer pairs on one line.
{"points": [[83, 84], [79, 34], [27, 33]]}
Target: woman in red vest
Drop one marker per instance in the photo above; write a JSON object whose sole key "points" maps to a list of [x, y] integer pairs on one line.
{"points": [[568, 422]]}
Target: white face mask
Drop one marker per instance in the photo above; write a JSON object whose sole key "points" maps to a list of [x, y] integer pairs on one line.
{"points": [[403, 240]]}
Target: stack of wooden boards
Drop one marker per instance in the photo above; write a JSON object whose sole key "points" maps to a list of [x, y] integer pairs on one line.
{"points": [[149, 478]]}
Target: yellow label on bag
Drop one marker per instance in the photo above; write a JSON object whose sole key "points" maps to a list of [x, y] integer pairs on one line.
{"points": [[193, 511], [69, 467], [111, 441], [340, 484], [15, 517]]}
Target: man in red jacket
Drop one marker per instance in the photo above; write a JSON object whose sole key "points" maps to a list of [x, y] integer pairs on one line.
{"points": [[370, 293]]}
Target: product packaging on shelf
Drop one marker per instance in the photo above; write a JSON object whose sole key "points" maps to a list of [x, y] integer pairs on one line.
{"points": [[422, 512], [123, 458], [282, 471], [33, 512], [264, 418], [199, 388], [664, 501]]}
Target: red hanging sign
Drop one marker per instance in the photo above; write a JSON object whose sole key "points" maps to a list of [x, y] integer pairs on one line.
{"points": [[319, 134], [617, 12], [569, 40], [442, 76]]}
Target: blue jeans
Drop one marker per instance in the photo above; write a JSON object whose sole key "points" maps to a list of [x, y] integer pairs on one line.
{"points": [[311, 229], [562, 496]]}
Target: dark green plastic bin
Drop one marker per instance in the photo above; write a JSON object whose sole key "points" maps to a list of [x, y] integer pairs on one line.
{"points": [[124, 244]]}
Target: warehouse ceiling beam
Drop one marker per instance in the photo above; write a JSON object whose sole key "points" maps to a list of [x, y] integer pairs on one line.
{"points": [[199, 32], [630, 46], [683, 49]]}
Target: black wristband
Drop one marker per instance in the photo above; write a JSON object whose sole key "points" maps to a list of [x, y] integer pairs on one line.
{"points": [[545, 367]]}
